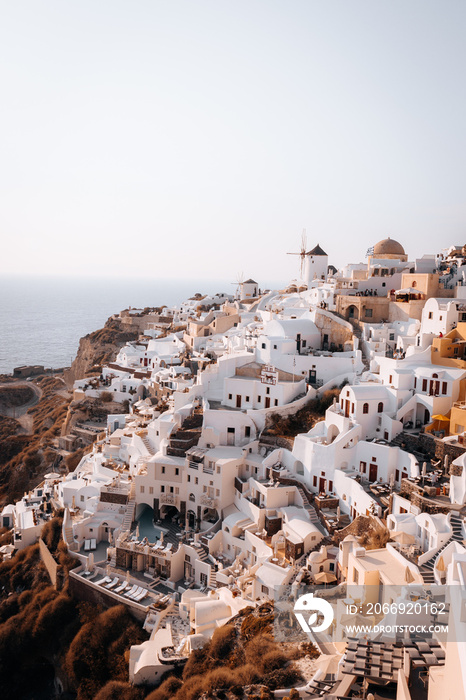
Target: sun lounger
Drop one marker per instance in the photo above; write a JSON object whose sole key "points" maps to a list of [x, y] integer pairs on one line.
{"points": [[134, 595], [140, 595], [124, 586], [168, 547], [113, 583], [131, 592], [103, 581], [93, 544], [87, 545]]}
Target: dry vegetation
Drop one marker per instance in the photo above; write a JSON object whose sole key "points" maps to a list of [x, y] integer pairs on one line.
{"points": [[375, 537], [24, 459], [242, 659], [45, 632], [304, 419]]}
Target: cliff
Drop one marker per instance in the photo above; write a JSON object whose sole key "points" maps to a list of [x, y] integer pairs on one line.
{"points": [[98, 348]]}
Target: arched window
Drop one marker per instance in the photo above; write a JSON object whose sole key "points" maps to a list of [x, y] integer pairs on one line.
{"points": [[365, 408], [435, 376], [192, 497], [380, 407]]}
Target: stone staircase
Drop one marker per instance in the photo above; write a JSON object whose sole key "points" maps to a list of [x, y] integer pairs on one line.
{"points": [[72, 545], [148, 446], [213, 579], [202, 555], [456, 522], [427, 569], [130, 510]]}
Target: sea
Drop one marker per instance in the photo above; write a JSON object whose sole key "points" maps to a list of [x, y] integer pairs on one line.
{"points": [[42, 319]]}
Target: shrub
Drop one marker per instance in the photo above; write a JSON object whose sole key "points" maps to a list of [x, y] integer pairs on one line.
{"points": [[118, 690], [273, 660], [106, 397], [167, 689]]}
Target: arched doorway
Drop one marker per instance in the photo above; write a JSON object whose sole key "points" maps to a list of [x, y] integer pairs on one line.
{"points": [[353, 312], [191, 519]]}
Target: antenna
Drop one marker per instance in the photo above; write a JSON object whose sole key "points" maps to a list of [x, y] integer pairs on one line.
{"points": [[302, 252]]}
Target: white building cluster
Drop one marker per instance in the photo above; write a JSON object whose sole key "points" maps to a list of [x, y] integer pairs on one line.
{"points": [[194, 503]]}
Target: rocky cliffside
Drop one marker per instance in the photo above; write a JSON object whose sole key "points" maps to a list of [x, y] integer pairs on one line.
{"points": [[98, 348]]}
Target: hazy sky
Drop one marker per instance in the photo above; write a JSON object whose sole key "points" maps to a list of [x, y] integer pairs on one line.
{"points": [[199, 137]]}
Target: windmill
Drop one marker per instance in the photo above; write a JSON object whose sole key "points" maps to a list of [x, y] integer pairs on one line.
{"points": [[302, 253], [239, 282]]}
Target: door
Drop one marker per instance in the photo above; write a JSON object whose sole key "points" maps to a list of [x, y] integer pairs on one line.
{"points": [[230, 436], [312, 376], [347, 408], [267, 401], [298, 343], [238, 401], [322, 483], [372, 472]]}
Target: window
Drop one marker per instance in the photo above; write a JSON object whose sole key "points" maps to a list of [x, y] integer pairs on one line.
{"points": [[390, 379], [230, 396], [267, 391], [368, 313], [247, 431], [247, 399], [424, 385], [162, 489], [459, 428], [444, 387], [352, 408], [303, 344], [189, 477], [383, 284], [431, 315], [187, 558], [380, 407], [263, 346], [314, 482], [259, 398], [192, 497], [177, 471], [276, 402], [362, 467], [163, 470], [356, 576], [365, 408], [274, 347], [265, 590], [151, 489], [196, 480], [230, 430], [142, 489]]}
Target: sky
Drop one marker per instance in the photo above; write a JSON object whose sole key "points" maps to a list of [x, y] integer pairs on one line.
{"points": [[198, 138]]}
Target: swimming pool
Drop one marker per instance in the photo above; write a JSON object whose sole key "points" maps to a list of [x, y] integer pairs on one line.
{"points": [[147, 527]]}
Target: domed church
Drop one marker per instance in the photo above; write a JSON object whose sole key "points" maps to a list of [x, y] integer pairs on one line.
{"points": [[390, 250]]}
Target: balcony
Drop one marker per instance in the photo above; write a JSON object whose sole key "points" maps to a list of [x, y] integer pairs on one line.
{"points": [[168, 499], [208, 502]]}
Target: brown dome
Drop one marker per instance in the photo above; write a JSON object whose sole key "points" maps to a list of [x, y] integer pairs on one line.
{"points": [[388, 247]]}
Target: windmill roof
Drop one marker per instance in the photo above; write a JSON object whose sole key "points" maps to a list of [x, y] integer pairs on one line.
{"points": [[316, 251], [250, 281]]}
